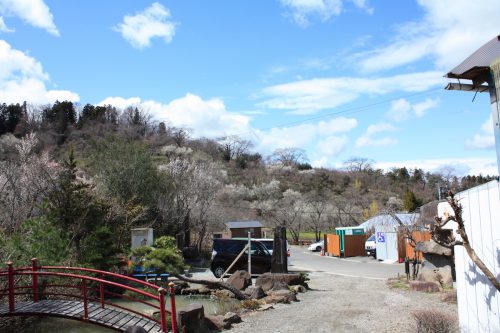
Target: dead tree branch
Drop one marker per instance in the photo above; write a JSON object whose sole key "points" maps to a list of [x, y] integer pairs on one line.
{"points": [[457, 210], [215, 284]]}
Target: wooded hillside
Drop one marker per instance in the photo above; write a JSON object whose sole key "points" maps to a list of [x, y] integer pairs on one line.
{"points": [[74, 181]]}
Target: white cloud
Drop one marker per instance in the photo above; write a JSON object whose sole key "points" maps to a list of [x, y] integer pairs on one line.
{"points": [[449, 31], [401, 109], [310, 96], [61, 95], [304, 135], [154, 21], [368, 139], [22, 78], [301, 10], [363, 4], [207, 118], [3, 26], [483, 140], [34, 12], [332, 145], [461, 166], [336, 125]]}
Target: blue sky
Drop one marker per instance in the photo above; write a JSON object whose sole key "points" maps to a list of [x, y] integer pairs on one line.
{"points": [[337, 78]]}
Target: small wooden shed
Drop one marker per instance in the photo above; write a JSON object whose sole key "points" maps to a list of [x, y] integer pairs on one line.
{"points": [[242, 228]]}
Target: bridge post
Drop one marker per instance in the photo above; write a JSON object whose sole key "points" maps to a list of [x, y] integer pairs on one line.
{"points": [[12, 300], [34, 279], [101, 290], [173, 311], [85, 300], [163, 321]]}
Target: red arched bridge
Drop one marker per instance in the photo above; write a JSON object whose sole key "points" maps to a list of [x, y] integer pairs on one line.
{"points": [[84, 294]]}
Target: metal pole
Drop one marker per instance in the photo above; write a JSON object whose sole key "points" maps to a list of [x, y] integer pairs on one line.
{"points": [[34, 279], [101, 290], [173, 311], [249, 254], [163, 322], [12, 304], [85, 300]]}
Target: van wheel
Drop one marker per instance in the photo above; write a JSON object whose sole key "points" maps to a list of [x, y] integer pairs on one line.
{"points": [[218, 271]]}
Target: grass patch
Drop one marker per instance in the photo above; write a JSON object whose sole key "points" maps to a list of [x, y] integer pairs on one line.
{"points": [[251, 304], [398, 283]]}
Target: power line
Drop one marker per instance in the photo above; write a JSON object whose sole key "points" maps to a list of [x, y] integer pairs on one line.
{"points": [[350, 110]]}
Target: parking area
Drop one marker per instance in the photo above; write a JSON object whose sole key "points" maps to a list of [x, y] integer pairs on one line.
{"points": [[357, 267]]}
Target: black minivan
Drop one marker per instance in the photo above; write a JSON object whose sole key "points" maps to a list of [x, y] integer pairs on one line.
{"points": [[225, 252]]}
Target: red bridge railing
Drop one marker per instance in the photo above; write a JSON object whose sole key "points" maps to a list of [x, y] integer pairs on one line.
{"points": [[91, 288]]}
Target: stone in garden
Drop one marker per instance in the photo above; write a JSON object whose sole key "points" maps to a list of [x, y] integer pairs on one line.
{"points": [[192, 319], [287, 294], [232, 318], [279, 285], [240, 280], [216, 323], [430, 287], [440, 275], [298, 289], [257, 293], [204, 291], [433, 247], [190, 291], [265, 307], [267, 280]]}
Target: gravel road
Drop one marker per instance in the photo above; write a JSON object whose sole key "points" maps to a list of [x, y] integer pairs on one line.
{"points": [[344, 304]]}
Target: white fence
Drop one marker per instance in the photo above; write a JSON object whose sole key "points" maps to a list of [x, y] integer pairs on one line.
{"points": [[478, 300]]}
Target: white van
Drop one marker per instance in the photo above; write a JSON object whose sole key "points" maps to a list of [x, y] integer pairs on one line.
{"points": [[371, 246]]}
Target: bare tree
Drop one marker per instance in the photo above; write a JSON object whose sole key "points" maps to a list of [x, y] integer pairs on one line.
{"points": [[233, 147], [286, 212], [24, 181], [288, 156], [449, 242], [317, 208], [358, 164]]}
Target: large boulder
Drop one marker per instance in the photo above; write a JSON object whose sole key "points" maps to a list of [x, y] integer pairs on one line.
{"points": [[288, 295], [232, 318], [430, 287], [433, 247], [255, 292], [240, 280], [219, 322], [268, 280], [192, 319], [442, 275]]}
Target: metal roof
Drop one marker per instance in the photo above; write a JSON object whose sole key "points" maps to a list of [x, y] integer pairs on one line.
{"points": [[389, 221], [243, 224], [477, 65]]}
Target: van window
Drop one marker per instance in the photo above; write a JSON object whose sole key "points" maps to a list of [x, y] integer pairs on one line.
{"points": [[371, 239]]}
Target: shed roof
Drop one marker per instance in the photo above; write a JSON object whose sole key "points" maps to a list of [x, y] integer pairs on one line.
{"points": [[389, 221], [243, 224], [478, 63]]}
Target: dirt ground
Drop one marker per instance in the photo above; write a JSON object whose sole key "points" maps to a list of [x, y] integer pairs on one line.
{"points": [[344, 304]]}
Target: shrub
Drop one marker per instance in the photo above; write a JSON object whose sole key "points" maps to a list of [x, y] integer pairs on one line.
{"points": [[432, 321], [166, 242], [250, 304]]}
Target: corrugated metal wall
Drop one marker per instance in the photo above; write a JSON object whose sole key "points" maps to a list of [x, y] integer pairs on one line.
{"points": [[354, 245], [478, 300]]}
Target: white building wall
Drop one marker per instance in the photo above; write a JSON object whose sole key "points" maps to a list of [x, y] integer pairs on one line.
{"points": [[478, 300]]}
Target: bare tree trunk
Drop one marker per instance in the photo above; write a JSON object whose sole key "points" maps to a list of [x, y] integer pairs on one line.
{"points": [[215, 284], [457, 209]]}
